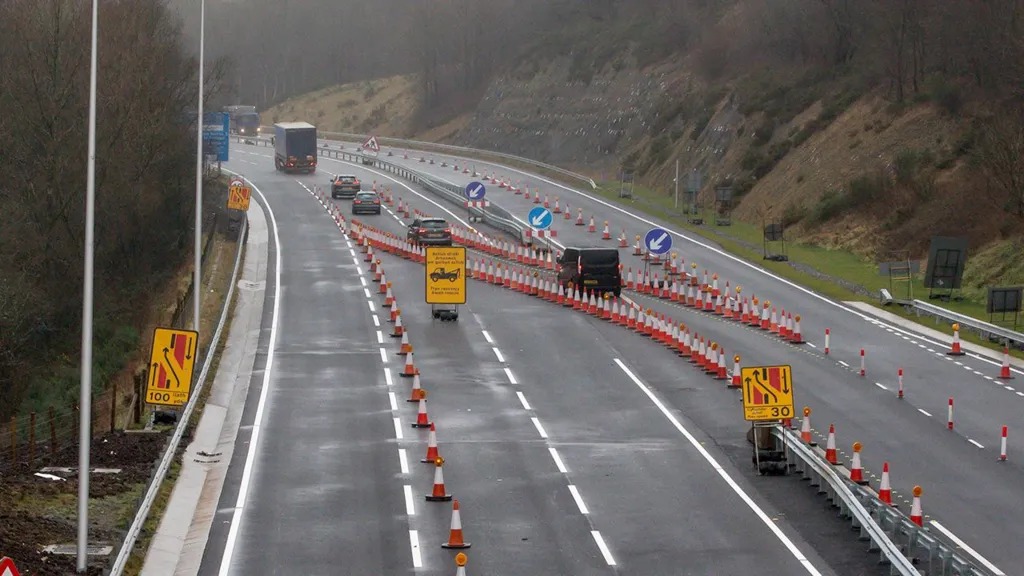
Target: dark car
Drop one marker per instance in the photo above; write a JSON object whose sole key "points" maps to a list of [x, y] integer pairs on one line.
{"points": [[430, 231], [591, 269], [345, 186], [366, 203]]}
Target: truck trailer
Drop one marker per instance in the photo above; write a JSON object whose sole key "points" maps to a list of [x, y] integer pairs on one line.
{"points": [[295, 147]]}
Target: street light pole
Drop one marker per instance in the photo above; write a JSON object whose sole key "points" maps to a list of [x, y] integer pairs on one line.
{"points": [[85, 391], [197, 278]]}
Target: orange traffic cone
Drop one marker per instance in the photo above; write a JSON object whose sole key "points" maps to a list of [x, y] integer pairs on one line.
{"points": [[432, 452], [955, 349], [399, 329], [884, 489], [736, 372], [856, 470], [795, 337], [417, 393], [410, 370], [455, 540], [606, 234], [830, 446], [1004, 371], [460, 562], [421, 417], [805, 428], [438, 494], [406, 348], [916, 516]]}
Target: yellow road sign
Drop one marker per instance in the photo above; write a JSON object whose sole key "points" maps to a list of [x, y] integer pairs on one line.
{"points": [[238, 198], [767, 392], [171, 362], [446, 275]]}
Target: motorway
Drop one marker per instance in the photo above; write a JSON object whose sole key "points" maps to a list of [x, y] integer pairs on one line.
{"points": [[573, 446]]}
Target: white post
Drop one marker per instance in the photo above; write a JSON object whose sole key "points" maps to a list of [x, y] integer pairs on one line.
{"points": [[197, 274], [677, 184], [85, 391]]}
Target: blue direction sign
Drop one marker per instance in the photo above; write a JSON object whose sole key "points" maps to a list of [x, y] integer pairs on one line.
{"points": [[540, 218], [475, 191], [658, 241], [215, 135]]}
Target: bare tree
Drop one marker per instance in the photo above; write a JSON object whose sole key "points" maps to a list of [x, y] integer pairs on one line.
{"points": [[1000, 157]]}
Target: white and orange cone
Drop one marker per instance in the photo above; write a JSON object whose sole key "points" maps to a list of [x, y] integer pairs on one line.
{"points": [[856, 470], [410, 370], [455, 539], [438, 494], [916, 515], [432, 452], [884, 488], [406, 348], [1004, 371], [830, 446], [421, 416], [417, 393], [399, 328], [805, 428], [955, 349], [736, 383], [460, 559], [1002, 445], [795, 337]]}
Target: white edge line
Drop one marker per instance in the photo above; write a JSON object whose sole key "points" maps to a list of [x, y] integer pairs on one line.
{"points": [[880, 385], [976, 443], [250, 457], [603, 547], [403, 460], [844, 364], [522, 399], [793, 549], [924, 412], [963, 545], [579, 500], [414, 544], [811, 344], [540, 429], [487, 337], [410, 505], [558, 460]]}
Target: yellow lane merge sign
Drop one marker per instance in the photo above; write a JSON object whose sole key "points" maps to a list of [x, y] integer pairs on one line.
{"points": [[170, 366], [238, 197], [446, 275], [767, 392]]}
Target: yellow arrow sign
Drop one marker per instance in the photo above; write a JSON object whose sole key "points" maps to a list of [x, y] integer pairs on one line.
{"points": [[767, 392], [171, 364], [238, 198]]}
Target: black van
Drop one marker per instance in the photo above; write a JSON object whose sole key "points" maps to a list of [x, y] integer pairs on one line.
{"points": [[591, 269]]}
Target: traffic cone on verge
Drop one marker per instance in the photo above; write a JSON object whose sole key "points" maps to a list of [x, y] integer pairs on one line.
{"points": [[432, 452], [410, 370], [417, 393], [805, 428], [438, 494], [421, 417], [856, 470], [955, 349], [1004, 372], [830, 446], [884, 489], [455, 540], [916, 516], [460, 561], [736, 372]]}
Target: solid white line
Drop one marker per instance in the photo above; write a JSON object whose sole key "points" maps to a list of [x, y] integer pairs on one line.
{"points": [[376, 321], [387, 377], [498, 354], [975, 442], [380, 337], [394, 401], [372, 307], [511, 377], [414, 542], [963, 546], [603, 547], [924, 412], [403, 460], [540, 429], [383, 355], [522, 399], [844, 364], [398, 429], [367, 292], [558, 460], [880, 385], [410, 506], [579, 500], [722, 473], [487, 337], [250, 457]]}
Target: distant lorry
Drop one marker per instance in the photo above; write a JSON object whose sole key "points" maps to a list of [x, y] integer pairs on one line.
{"points": [[295, 147], [244, 120]]}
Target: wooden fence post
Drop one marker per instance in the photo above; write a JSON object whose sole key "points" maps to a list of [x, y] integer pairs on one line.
{"points": [[53, 433], [32, 437]]}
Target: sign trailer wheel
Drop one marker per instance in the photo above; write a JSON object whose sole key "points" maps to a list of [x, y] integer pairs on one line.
{"points": [[445, 314]]}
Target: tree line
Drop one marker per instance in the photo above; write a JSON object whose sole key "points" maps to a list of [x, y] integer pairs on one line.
{"points": [[144, 180]]}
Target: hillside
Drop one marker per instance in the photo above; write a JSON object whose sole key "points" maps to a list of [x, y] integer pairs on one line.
{"points": [[855, 155]]}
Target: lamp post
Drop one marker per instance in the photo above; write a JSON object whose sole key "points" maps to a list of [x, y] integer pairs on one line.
{"points": [[85, 391], [197, 278]]}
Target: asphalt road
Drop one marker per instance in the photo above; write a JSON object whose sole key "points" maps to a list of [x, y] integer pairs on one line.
{"points": [[511, 384], [965, 488]]}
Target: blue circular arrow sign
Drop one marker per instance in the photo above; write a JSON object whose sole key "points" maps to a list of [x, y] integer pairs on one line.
{"points": [[475, 191], [658, 241], [540, 218]]}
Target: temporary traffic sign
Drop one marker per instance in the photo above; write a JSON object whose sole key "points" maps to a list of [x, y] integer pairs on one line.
{"points": [[238, 198], [371, 144], [540, 218], [172, 359], [7, 567], [767, 392], [446, 275], [475, 191], [658, 241]]}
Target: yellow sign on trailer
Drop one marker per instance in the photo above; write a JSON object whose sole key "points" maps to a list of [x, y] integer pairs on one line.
{"points": [[445, 274]]}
